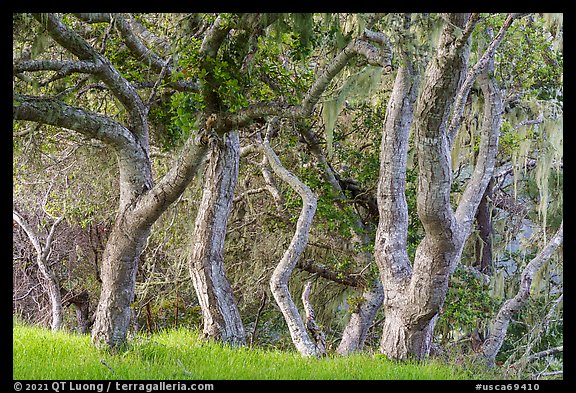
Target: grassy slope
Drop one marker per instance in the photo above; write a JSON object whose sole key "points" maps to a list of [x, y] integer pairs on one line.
{"points": [[181, 354]]}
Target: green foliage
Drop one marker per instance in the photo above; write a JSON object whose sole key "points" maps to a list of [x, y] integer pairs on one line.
{"points": [[468, 305], [527, 60]]}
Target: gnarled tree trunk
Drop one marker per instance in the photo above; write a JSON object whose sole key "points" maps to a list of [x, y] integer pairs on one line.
{"points": [[141, 202], [206, 261], [414, 293]]}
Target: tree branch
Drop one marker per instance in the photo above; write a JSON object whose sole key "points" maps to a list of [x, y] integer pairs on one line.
{"points": [[541, 354], [118, 85], [136, 46], [62, 66], [486, 162], [471, 76], [283, 271], [95, 17], [441, 82], [152, 204], [317, 334], [391, 235], [56, 113], [346, 279], [492, 345], [357, 47]]}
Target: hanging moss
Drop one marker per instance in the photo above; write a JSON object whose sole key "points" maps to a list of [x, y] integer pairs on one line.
{"points": [[357, 87]]}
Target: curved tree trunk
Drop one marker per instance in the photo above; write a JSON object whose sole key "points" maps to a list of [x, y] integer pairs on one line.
{"points": [[119, 266], [206, 261], [391, 237], [282, 272], [415, 293]]}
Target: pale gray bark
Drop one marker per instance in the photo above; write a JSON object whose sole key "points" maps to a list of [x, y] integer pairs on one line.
{"points": [[42, 254], [494, 342], [415, 293], [356, 330], [206, 261], [282, 272], [391, 236], [313, 328]]}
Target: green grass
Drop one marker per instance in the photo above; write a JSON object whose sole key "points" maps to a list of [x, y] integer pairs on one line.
{"points": [[181, 354]]}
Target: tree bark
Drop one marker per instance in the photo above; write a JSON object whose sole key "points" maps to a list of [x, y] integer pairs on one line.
{"points": [[484, 224], [354, 334], [119, 266], [415, 294], [494, 342], [313, 328], [391, 237], [282, 272], [206, 261]]}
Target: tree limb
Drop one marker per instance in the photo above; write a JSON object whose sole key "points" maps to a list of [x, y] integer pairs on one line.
{"points": [[486, 162], [56, 113], [62, 66], [317, 333], [471, 76], [492, 345], [117, 84], [357, 47], [312, 267], [391, 235]]}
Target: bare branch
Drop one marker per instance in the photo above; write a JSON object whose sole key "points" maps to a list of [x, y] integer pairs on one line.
{"points": [[136, 46], [163, 73], [283, 271], [32, 235], [64, 67], [249, 192], [94, 17], [541, 354], [323, 271], [492, 345]]}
